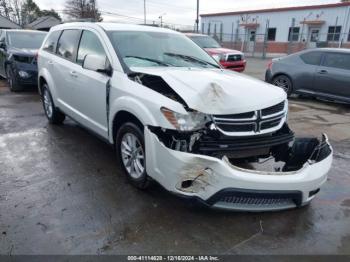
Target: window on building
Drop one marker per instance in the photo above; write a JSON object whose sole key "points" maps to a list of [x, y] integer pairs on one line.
{"points": [[337, 60], [334, 33], [312, 58], [271, 34], [293, 34]]}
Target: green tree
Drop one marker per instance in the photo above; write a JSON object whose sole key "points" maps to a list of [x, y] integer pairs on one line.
{"points": [[30, 11], [50, 12]]}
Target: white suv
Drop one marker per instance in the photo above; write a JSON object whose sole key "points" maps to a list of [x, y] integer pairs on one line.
{"points": [[176, 117]]}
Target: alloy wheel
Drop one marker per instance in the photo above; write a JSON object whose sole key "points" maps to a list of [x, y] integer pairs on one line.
{"points": [[283, 83], [132, 155], [47, 103]]}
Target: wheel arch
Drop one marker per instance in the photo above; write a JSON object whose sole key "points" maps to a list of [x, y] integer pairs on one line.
{"points": [[122, 117]]}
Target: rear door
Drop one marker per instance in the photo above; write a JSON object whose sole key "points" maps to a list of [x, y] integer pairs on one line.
{"points": [[333, 76], [91, 86], [64, 71], [307, 71]]}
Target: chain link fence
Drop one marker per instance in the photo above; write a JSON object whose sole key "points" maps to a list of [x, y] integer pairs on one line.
{"points": [[259, 45]]}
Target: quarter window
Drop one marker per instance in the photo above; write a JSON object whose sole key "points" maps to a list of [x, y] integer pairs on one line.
{"points": [[67, 44], [51, 42], [89, 45], [271, 34], [337, 60], [334, 33], [349, 36], [293, 34], [312, 58]]}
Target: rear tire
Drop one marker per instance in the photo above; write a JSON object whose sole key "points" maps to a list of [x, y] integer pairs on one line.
{"points": [[130, 148], [283, 82], [53, 114]]}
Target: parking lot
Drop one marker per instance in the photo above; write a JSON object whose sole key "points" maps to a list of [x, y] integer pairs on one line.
{"points": [[61, 192]]}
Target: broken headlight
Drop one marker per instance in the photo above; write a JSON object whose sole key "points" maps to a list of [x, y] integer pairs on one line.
{"points": [[192, 121]]}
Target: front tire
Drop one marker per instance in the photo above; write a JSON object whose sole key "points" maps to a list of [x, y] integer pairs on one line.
{"points": [[53, 114], [12, 81], [284, 82], [130, 148]]}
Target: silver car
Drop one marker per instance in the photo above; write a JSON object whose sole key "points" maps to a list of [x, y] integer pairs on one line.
{"points": [[323, 73]]}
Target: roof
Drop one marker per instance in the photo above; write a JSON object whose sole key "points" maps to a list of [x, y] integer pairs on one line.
{"points": [[115, 27], [284, 9], [7, 23], [25, 31], [43, 22]]}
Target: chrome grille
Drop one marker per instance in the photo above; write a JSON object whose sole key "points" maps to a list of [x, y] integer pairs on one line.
{"points": [[273, 109], [252, 122], [234, 58]]}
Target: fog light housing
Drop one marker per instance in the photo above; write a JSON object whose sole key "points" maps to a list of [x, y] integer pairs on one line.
{"points": [[23, 74]]}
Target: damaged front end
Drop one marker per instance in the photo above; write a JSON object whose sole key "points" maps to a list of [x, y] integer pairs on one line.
{"points": [[268, 172], [227, 159]]}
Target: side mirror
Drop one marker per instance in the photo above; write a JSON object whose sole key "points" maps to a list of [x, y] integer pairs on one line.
{"points": [[98, 64], [2, 45]]}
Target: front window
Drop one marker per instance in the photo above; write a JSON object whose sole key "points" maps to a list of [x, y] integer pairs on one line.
{"points": [[205, 41], [29, 40], [155, 49]]}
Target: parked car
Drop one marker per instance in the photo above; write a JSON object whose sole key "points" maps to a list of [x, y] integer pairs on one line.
{"points": [[228, 58], [323, 73], [18, 51], [174, 116]]}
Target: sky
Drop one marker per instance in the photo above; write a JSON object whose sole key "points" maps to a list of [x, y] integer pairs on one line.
{"points": [[181, 13]]}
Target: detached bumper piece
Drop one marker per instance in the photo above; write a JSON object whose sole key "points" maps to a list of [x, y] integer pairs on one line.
{"points": [[253, 200]]}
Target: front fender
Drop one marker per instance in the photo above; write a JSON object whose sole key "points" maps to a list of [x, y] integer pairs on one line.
{"points": [[44, 73], [145, 114]]}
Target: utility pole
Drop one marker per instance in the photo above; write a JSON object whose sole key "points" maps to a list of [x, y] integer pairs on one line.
{"points": [[161, 20], [144, 12], [197, 19]]}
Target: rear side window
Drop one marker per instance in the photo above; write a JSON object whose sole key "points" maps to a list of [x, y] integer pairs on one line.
{"points": [[312, 58], [68, 43], [51, 41], [337, 60], [89, 45]]}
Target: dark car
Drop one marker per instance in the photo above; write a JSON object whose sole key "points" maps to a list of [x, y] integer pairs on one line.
{"points": [[323, 72], [18, 51]]}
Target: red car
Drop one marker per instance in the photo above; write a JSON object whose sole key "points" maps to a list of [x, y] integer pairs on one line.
{"points": [[229, 59]]}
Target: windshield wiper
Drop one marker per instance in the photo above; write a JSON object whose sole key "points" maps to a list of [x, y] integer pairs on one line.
{"points": [[150, 59], [192, 58]]}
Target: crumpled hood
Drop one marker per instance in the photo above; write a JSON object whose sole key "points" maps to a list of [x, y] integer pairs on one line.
{"points": [[216, 91], [23, 51]]}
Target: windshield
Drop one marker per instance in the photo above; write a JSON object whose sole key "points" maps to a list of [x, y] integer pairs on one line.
{"points": [[28, 40], [155, 49], [205, 41]]}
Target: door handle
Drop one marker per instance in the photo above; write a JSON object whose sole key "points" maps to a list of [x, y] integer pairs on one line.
{"points": [[322, 72], [50, 62], [73, 74]]}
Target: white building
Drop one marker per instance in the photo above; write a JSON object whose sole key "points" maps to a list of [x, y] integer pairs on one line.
{"points": [[281, 29]]}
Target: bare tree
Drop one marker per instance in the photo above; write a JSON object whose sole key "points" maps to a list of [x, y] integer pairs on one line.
{"points": [[11, 9], [80, 9]]}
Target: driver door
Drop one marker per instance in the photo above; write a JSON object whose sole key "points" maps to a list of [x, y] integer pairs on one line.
{"points": [[91, 86]]}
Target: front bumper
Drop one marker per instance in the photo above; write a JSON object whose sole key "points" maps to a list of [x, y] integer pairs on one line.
{"points": [[238, 66], [219, 184], [268, 76]]}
